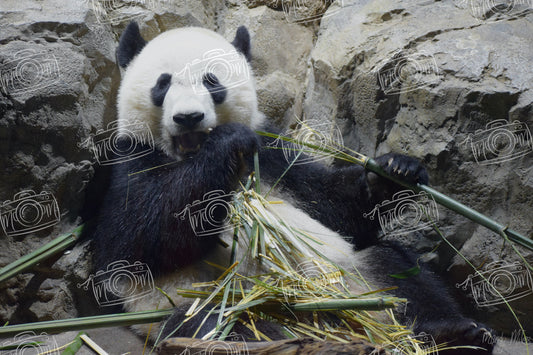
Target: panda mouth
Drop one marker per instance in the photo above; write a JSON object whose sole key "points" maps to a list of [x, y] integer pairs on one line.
{"points": [[189, 142]]}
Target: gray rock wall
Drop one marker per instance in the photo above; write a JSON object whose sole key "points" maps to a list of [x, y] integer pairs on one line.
{"points": [[449, 83], [425, 78]]}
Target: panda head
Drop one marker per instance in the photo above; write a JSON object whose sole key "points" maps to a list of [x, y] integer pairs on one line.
{"points": [[183, 83]]}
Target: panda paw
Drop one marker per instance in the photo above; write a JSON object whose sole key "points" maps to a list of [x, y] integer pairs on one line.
{"points": [[230, 145], [235, 137], [404, 167], [464, 332]]}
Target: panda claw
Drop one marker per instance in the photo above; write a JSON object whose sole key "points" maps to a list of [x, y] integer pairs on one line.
{"points": [[403, 166]]}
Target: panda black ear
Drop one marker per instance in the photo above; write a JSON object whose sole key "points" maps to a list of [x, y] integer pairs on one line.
{"points": [[130, 44], [242, 42]]}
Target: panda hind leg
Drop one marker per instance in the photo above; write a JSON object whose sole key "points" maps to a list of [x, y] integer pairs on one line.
{"points": [[202, 323], [460, 332], [430, 308]]}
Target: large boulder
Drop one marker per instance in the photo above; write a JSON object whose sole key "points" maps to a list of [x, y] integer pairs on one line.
{"points": [[450, 84]]}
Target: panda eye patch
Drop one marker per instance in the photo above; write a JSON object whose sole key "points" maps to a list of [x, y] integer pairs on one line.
{"points": [[216, 89], [211, 79], [160, 89]]}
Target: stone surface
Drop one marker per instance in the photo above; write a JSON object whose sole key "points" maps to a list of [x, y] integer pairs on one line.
{"points": [[422, 78], [394, 80]]}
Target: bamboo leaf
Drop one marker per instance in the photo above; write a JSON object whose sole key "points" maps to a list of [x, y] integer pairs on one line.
{"points": [[76, 345], [415, 270]]}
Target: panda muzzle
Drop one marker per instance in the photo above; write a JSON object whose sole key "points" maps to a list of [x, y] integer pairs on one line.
{"points": [[190, 142]]}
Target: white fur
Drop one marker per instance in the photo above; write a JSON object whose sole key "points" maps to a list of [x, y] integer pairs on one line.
{"points": [[332, 245], [180, 52]]}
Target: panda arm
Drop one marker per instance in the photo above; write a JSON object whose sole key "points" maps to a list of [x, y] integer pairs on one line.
{"points": [[140, 219], [338, 197]]}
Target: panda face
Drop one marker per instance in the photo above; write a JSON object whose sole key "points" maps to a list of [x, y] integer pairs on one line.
{"points": [[184, 83], [188, 109]]}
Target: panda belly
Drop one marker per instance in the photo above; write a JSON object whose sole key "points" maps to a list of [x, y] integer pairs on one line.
{"points": [[332, 245]]}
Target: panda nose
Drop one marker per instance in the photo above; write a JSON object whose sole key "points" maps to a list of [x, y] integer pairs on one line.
{"points": [[188, 120]]}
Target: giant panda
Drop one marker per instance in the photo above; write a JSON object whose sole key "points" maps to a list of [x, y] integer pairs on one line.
{"points": [[203, 124]]}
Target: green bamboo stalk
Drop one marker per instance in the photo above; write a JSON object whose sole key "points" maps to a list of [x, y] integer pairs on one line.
{"points": [[367, 304], [456, 206], [55, 246], [110, 320], [371, 165]]}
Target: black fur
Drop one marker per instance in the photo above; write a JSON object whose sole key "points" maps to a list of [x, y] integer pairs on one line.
{"points": [[242, 42], [130, 44], [138, 218], [321, 190], [159, 91], [216, 89]]}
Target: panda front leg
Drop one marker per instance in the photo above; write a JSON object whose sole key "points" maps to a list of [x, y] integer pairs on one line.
{"points": [[150, 231], [430, 309]]}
